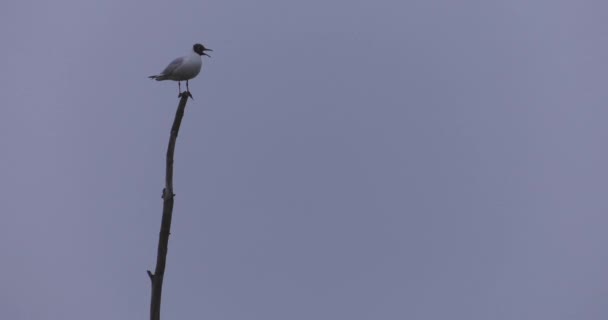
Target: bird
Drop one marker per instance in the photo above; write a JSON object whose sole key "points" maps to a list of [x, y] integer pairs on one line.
{"points": [[184, 68]]}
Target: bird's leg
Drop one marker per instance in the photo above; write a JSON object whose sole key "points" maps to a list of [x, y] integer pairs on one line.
{"points": [[179, 88], [188, 90]]}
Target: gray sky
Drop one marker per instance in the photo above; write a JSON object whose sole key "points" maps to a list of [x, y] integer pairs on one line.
{"points": [[341, 159]]}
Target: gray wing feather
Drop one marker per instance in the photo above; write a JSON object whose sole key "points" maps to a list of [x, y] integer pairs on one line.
{"points": [[172, 66], [168, 70]]}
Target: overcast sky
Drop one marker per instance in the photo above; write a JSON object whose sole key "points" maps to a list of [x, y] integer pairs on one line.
{"points": [[341, 160]]}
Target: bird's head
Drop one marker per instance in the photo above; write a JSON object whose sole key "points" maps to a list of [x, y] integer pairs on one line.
{"points": [[200, 49]]}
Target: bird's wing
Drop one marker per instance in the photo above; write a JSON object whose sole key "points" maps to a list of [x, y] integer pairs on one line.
{"points": [[172, 66]]}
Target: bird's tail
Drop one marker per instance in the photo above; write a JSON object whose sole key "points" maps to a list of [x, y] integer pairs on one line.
{"points": [[159, 77]]}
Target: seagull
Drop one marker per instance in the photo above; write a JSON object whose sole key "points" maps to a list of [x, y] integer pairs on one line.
{"points": [[184, 68]]}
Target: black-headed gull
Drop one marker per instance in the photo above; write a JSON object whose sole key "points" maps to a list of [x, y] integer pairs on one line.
{"points": [[184, 68]]}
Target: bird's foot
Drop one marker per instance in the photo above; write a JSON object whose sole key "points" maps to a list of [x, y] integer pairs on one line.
{"points": [[186, 93]]}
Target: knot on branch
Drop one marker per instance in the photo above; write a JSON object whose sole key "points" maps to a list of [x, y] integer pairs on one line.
{"points": [[167, 194]]}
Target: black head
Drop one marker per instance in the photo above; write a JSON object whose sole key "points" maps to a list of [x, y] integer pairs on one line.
{"points": [[200, 49]]}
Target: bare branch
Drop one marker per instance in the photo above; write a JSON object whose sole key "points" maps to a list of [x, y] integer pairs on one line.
{"points": [[165, 227]]}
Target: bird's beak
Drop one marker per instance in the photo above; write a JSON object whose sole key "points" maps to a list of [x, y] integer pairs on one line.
{"points": [[204, 53]]}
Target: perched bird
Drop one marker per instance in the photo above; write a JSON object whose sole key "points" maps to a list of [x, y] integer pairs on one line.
{"points": [[184, 68]]}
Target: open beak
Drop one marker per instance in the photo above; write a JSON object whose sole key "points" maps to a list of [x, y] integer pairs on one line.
{"points": [[204, 53]]}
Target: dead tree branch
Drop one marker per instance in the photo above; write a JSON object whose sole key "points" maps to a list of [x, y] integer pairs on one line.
{"points": [[161, 257]]}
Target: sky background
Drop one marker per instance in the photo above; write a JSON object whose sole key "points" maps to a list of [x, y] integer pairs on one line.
{"points": [[341, 159]]}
